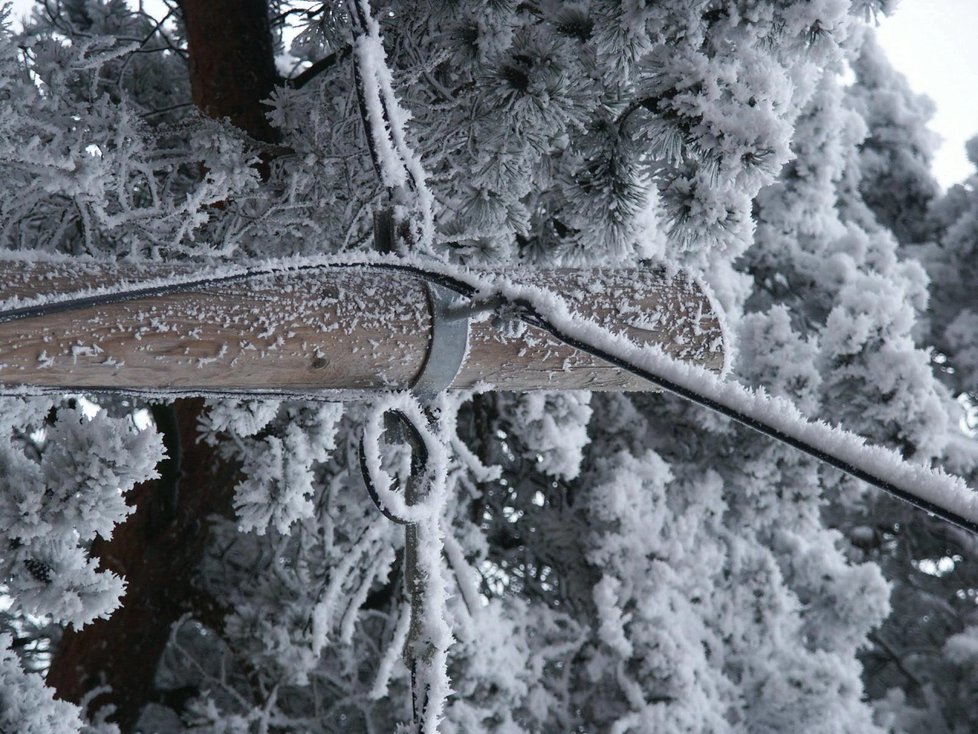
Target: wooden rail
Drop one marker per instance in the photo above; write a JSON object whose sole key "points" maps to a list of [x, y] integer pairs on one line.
{"points": [[320, 330]]}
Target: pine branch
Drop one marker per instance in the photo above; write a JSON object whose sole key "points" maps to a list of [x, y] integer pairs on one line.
{"points": [[894, 657], [327, 62]]}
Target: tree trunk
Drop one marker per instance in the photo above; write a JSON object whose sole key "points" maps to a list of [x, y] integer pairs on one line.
{"points": [[157, 550], [159, 547], [232, 65]]}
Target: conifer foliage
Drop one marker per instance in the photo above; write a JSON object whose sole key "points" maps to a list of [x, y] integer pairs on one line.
{"points": [[589, 562]]}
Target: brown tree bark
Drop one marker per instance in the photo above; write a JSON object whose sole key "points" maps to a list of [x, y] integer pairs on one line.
{"points": [[157, 550], [232, 64], [159, 547]]}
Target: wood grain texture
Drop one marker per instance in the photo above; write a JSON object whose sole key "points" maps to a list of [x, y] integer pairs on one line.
{"points": [[644, 305], [325, 330]]}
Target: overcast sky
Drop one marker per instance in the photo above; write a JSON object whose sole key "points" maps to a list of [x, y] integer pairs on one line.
{"points": [[935, 44]]}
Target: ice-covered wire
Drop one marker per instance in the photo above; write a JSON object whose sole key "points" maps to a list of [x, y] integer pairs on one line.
{"points": [[531, 318], [245, 274], [394, 506], [528, 313], [385, 123], [420, 507]]}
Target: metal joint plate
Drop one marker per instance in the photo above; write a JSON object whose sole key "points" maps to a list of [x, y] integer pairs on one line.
{"points": [[448, 346]]}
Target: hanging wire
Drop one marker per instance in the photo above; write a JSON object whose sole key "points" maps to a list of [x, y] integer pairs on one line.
{"points": [[402, 427], [391, 155], [399, 426], [531, 317]]}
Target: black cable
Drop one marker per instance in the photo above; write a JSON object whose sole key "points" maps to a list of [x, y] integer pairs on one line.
{"points": [[531, 317], [528, 314], [406, 429], [122, 296]]}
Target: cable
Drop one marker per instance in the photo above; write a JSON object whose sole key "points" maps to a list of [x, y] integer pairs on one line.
{"points": [[408, 431], [121, 296], [528, 314], [532, 318]]}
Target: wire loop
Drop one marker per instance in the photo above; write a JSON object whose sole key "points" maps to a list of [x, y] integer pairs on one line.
{"points": [[402, 418], [419, 460]]}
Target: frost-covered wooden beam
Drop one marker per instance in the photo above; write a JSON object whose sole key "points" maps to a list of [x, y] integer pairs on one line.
{"points": [[307, 331]]}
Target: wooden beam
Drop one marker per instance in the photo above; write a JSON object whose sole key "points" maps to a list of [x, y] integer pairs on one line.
{"points": [[321, 330]]}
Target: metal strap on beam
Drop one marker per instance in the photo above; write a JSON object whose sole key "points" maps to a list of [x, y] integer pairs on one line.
{"points": [[449, 342]]}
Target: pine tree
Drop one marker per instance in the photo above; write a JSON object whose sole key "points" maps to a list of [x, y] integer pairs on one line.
{"points": [[922, 665], [602, 562]]}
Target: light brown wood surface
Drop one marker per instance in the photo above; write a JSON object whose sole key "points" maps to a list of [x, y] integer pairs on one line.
{"points": [[322, 330]]}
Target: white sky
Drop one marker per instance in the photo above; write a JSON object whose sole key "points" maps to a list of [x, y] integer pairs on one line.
{"points": [[935, 44]]}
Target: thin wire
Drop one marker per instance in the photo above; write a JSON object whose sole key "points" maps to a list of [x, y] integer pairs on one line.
{"points": [[122, 296], [528, 314], [532, 318], [419, 461]]}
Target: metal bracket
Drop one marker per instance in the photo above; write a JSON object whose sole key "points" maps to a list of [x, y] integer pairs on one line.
{"points": [[449, 342], [449, 325]]}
